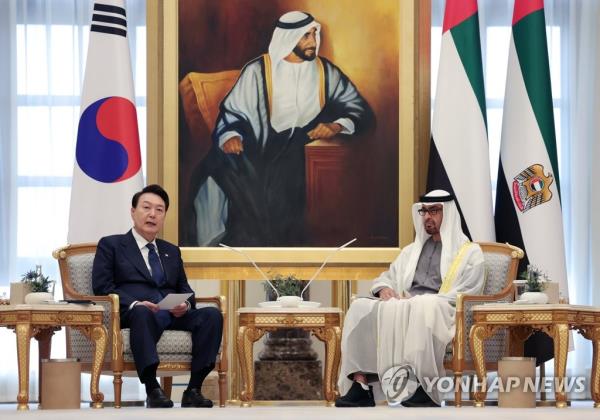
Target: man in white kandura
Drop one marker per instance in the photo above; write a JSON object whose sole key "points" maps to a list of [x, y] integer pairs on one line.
{"points": [[407, 329]]}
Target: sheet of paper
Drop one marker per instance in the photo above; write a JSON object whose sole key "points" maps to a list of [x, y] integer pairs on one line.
{"points": [[172, 300]]}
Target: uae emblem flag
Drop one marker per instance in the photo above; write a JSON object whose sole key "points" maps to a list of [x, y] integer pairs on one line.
{"points": [[528, 212], [107, 169], [459, 154]]}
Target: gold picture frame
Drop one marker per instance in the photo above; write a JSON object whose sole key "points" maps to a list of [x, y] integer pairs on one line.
{"points": [[350, 264], [162, 167]]}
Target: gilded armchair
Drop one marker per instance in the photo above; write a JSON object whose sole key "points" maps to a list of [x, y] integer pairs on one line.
{"points": [[501, 264], [174, 347]]}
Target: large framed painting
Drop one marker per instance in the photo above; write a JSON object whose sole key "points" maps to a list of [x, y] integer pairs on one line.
{"points": [[287, 192]]}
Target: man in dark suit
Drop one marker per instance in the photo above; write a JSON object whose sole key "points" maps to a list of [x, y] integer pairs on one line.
{"points": [[130, 266]]}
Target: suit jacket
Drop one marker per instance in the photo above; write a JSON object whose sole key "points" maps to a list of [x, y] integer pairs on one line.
{"points": [[120, 268]]}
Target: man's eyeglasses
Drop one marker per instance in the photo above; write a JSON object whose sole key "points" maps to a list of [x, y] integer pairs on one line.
{"points": [[432, 211]]}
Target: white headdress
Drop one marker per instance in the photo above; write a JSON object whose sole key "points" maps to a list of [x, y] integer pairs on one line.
{"points": [[450, 231], [289, 29]]}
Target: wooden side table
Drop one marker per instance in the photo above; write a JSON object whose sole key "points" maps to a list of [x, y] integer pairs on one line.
{"points": [[324, 323], [522, 321], [41, 321]]}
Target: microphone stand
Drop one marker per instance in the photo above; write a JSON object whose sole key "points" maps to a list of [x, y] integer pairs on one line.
{"points": [[239, 251], [323, 265]]}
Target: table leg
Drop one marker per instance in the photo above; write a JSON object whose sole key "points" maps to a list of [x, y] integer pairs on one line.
{"points": [[44, 339], [100, 337], [560, 334], [477, 335], [593, 334], [245, 340], [23, 335], [595, 377], [332, 338]]}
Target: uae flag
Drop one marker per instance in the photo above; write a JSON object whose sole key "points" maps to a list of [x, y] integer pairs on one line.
{"points": [[108, 168], [528, 212], [459, 154]]}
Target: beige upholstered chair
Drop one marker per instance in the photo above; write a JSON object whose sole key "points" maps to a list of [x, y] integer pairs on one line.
{"points": [[174, 347], [501, 263]]}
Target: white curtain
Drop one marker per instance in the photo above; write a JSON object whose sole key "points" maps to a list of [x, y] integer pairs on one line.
{"points": [[574, 48], [44, 47], [581, 152]]}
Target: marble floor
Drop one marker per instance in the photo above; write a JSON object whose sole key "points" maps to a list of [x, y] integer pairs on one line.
{"points": [[580, 410]]}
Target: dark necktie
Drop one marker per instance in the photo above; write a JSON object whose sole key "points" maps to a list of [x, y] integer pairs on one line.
{"points": [[157, 272]]}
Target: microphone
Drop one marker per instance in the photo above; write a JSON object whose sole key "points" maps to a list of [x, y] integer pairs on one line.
{"points": [[297, 300], [239, 251], [323, 265]]}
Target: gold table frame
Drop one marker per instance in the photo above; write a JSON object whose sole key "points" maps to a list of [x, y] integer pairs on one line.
{"points": [[522, 320], [40, 321], [324, 323]]}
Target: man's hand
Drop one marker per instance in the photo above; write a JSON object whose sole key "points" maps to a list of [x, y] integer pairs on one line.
{"points": [[387, 293], [233, 145], [179, 310], [152, 306], [324, 131]]}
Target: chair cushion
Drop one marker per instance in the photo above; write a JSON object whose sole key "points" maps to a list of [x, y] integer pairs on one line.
{"points": [[171, 342]]}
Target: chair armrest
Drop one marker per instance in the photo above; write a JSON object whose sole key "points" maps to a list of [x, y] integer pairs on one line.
{"points": [[219, 301], [114, 323], [113, 299], [458, 343], [462, 298]]}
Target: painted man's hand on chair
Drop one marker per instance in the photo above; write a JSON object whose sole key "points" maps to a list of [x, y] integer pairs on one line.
{"points": [[234, 145], [324, 131]]}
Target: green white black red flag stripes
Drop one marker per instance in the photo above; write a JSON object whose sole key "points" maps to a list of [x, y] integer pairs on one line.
{"points": [[528, 212], [459, 156]]}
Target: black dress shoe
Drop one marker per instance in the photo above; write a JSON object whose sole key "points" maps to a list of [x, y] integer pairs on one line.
{"points": [[194, 398], [420, 399], [357, 397], [157, 399]]}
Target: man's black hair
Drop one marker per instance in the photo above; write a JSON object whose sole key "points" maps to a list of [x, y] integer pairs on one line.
{"points": [[152, 189]]}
